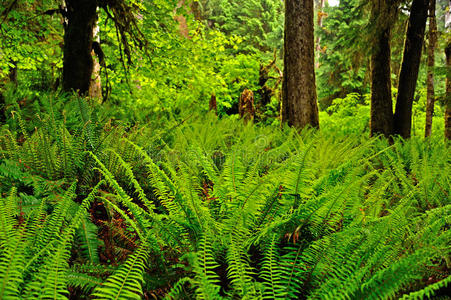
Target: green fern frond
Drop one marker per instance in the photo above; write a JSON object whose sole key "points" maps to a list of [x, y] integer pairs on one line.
{"points": [[126, 282], [273, 287], [239, 270], [206, 280], [429, 291], [177, 289], [87, 234], [82, 281]]}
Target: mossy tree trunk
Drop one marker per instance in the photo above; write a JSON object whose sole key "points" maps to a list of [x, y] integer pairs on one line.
{"points": [[299, 106], [410, 66], [78, 37]]}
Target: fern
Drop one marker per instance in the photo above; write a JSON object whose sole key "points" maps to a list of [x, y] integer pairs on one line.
{"points": [[87, 234], [126, 282], [206, 279], [271, 272]]}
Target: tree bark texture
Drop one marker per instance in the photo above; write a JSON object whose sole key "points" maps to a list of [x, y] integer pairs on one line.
{"points": [[430, 68], [409, 69], [381, 99], [78, 37], [299, 106]]}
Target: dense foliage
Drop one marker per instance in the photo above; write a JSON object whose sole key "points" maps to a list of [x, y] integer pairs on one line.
{"points": [[213, 208], [160, 190]]}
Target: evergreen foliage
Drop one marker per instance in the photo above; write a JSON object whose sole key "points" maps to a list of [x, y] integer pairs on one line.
{"points": [[260, 23]]}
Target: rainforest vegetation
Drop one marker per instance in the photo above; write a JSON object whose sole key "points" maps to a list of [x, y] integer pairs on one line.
{"points": [[225, 149]]}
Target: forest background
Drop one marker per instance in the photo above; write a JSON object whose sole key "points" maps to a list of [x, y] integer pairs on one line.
{"points": [[225, 149]]}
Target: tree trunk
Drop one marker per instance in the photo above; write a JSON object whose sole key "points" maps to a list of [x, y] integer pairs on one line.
{"points": [[381, 100], [448, 77], [181, 19], [320, 24], [2, 108], [448, 92], [430, 74], [299, 107], [78, 62], [410, 65], [95, 87]]}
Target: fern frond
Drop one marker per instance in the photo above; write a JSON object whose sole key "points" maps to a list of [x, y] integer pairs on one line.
{"points": [[273, 287], [126, 282], [206, 279], [87, 233]]}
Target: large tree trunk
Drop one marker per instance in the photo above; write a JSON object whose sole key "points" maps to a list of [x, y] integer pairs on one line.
{"points": [[430, 75], [299, 107], [78, 37], [381, 100], [410, 65], [448, 92]]}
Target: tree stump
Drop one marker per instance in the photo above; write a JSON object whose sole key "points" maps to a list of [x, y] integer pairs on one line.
{"points": [[212, 105], [246, 105]]}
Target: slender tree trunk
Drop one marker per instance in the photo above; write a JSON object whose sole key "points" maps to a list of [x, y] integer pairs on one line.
{"points": [[381, 100], [95, 87], [431, 63], [448, 77], [448, 92], [410, 65], [320, 24], [2, 108], [299, 106], [181, 19], [78, 62]]}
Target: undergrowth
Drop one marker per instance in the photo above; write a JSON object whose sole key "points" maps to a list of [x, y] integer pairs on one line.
{"points": [[208, 208]]}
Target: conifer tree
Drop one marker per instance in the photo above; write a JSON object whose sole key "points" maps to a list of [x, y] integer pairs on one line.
{"points": [[410, 66], [299, 106], [432, 39], [383, 13]]}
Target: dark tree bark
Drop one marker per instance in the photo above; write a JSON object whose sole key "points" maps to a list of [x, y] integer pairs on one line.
{"points": [[381, 99], [431, 62], [410, 65], [2, 108], [78, 38], [448, 92], [299, 106]]}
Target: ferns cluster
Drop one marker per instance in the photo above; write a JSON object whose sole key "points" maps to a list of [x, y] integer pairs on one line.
{"points": [[214, 209]]}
